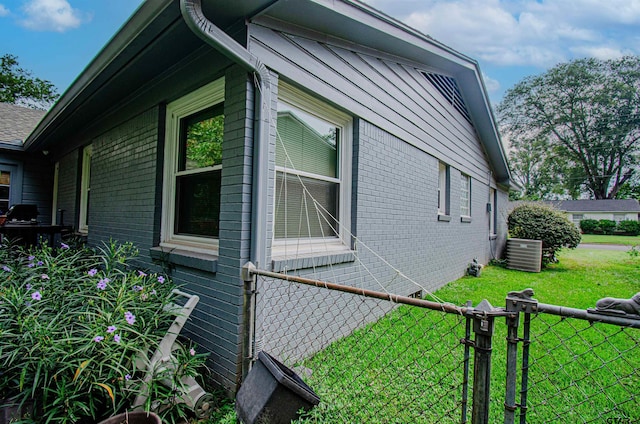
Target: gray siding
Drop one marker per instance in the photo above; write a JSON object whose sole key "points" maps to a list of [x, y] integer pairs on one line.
{"points": [[33, 182], [387, 92]]}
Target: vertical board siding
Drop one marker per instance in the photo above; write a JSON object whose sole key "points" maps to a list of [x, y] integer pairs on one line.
{"points": [[393, 96], [37, 186]]}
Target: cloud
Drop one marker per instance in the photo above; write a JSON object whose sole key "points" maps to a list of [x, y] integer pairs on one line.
{"points": [[51, 15], [537, 33], [3, 11], [492, 85]]}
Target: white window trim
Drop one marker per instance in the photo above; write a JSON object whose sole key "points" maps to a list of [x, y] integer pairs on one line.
{"points": [[54, 202], [443, 176], [283, 248], [85, 187], [493, 213], [465, 179], [200, 99]]}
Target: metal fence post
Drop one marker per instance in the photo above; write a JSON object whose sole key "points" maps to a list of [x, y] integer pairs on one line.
{"points": [[516, 303], [483, 325], [249, 318]]}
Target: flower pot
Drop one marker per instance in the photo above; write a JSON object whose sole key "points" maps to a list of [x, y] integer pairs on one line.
{"points": [[135, 417]]}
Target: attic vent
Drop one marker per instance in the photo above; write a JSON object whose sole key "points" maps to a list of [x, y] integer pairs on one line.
{"points": [[524, 255], [448, 87]]}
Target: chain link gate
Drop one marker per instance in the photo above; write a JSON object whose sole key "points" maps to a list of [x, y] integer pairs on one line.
{"points": [[409, 360]]}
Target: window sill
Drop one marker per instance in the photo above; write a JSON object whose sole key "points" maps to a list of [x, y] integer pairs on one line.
{"points": [[466, 219], [197, 260], [283, 264], [444, 218], [492, 236]]}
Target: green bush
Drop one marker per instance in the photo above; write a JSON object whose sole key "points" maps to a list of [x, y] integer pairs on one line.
{"points": [[541, 222], [77, 326], [588, 226], [607, 226], [629, 228]]}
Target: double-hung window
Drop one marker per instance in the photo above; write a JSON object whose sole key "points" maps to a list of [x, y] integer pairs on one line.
{"points": [[193, 168], [443, 189], [313, 154], [493, 212], [465, 196], [85, 189]]}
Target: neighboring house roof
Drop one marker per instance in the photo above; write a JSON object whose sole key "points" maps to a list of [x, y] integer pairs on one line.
{"points": [[156, 38], [603, 205], [16, 122]]}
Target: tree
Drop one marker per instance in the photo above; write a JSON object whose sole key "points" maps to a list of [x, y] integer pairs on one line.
{"points": [[18, 86], [541, 222], [584, 116]]}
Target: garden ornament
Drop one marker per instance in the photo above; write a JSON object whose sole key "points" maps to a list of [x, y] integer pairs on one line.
{"points": [[615, 305], [474, 268]]}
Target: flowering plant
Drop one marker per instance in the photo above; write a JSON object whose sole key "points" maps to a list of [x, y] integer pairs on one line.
{"points": [[75, 327]]}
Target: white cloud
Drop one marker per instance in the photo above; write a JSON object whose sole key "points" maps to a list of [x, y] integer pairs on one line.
{"points": [[492, 85], [51, 15], [537, 33], [3, 11]]}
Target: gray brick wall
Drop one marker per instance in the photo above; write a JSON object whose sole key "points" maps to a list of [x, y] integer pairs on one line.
{"points": [[123, 183], [68, 186], [396, 215]]}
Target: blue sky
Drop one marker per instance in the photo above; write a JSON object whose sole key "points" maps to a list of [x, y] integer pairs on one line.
{"points": [[56, 39]]}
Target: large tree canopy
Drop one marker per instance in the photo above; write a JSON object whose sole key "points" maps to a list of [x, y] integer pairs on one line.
{"points": [[19, 87], [583, 119]]}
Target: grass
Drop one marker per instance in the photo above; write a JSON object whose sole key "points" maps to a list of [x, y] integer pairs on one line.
{"points": [[602, 239], [407, 367]]}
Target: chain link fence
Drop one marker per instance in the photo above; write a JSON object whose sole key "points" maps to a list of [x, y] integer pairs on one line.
{"points": [[378, 358]]}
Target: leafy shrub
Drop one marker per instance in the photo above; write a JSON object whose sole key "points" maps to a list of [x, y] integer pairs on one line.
{"points": [[541, 222], [588, 226], [76, 326], [607, 226], [628, 227]]}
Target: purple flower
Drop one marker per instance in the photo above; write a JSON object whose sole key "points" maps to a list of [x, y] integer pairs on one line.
{"points": [[141, 274], [64, 246], [143, 296], [6, 268], [31, 265], [116, 338], [36, 295], [111, 329], [127, 377], [154, 292], [28, 286], [44, 277], [161, 279], [102, 284], [98, 339], [192, 351], [31, 257], [137, 288], [39, 263], [92, 272], [27, 304], [129, 317]]}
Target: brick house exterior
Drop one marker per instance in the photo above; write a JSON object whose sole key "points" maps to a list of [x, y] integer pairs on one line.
{"points": [[420, 173]]}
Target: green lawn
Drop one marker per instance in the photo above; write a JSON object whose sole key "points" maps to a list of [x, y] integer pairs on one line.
{"points": [[407, 367], [602, 239]]}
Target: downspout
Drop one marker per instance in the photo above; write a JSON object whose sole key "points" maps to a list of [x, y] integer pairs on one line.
{"points": [[219, 40]]}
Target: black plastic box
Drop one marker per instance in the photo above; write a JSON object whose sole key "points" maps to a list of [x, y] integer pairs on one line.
{"points": [[273, 393]]}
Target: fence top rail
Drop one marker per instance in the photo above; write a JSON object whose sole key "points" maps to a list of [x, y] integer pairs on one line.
{"points": [[592, 315], [444, 307]]}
